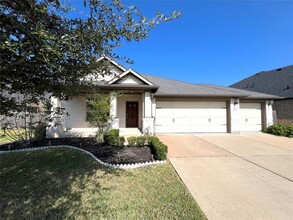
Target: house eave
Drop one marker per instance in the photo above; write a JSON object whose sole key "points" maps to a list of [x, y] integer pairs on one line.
{"points": [[198, 95], [128, 86]]}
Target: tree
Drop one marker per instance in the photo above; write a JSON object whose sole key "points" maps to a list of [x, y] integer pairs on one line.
{"points": [[98, 113], [45, 51]]}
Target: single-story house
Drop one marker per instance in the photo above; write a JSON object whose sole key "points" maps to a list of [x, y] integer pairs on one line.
{"points": [[158, 105], [277, 82]]}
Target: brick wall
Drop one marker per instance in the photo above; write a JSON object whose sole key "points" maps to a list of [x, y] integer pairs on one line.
{"points": [[284, 109]]}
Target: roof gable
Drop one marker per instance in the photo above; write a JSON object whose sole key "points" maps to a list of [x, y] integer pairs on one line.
{"points": [[119, 66], [130, 77]]}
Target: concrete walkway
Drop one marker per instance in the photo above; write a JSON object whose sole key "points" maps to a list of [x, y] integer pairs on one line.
{"points": [[246, 176]]}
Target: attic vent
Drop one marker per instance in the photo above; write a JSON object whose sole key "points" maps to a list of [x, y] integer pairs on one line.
{"points": [[287, 88], [279, 69], [250, 86]]}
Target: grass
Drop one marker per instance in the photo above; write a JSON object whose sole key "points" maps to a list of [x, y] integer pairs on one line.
{"points": [[5, 139], [66, 184]]}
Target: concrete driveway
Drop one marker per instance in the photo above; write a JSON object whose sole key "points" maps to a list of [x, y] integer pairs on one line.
{"points": [[247, 176]]}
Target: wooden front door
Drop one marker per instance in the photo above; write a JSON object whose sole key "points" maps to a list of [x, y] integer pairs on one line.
{"points": [[131, 114]]}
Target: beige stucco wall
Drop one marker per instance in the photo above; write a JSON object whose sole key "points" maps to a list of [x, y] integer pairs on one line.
{"points": [[76, 108], [121, 108]]}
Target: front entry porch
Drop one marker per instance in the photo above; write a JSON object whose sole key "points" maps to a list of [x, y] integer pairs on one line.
{"points": [[133, 110]]}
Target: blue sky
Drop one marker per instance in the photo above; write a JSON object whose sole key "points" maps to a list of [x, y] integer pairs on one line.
{"points": [[216, 42]]}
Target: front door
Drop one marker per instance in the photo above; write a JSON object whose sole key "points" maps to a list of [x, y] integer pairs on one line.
{"points": [[131, 114]]}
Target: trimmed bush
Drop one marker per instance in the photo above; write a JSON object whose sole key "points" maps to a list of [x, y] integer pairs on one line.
{"points": [[150, 139], [132, 141], [281, 130], [121, 141], [112, 138], [141, 141], [158, 148]]}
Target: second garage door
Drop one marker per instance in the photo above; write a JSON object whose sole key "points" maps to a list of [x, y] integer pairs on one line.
{"points": [[250, 117], [184, 117]]}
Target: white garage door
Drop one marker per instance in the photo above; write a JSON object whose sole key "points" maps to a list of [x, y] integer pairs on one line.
{"points": [[176, 117], [250, 117]]}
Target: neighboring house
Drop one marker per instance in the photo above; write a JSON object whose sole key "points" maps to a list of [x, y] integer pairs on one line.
{"points": [[276, 82], [159, 105]]}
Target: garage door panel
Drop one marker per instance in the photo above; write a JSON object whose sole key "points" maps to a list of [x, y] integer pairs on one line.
{"points": [[181, 112], [217, 112], [164, 121], [199, 121], [200, 128], [253, 113], [164, 112], [218, 128], [253, 120], [218, 121], [164, 129], [253, 127], [179, 128], [182, 121], [199, 113]]}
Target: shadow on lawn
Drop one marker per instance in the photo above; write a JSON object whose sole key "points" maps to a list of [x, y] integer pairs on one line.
{"points": [[49, 184]]}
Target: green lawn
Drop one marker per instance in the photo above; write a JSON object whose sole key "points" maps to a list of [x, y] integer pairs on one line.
{"points": [[67, 184], [4, 139]]}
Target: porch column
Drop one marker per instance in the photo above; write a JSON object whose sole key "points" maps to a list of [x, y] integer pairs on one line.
{"points": [[234, 115], [148, 120], [269, 113], [113, 110]]}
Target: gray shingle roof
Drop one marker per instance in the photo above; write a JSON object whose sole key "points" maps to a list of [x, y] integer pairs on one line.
{"points": [[277, 82], [168, 87]]}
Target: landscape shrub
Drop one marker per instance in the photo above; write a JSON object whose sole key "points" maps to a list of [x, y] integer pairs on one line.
{"points": [[121, 141], [132, 141], [158, 148], [112, 138], [281, 130], [289, 131], [141, 141], [150, 139]]}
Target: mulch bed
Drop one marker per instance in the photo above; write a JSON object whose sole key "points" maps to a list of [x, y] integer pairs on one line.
{"points": [[108, 154]]}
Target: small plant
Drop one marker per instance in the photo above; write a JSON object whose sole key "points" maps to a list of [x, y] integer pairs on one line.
{"points": [[112, 138], [132, 141], [121, 141], [141, 141]]}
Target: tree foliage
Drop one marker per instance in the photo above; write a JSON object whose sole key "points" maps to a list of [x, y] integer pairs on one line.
{"points": [[98, 112], [44, 49]]}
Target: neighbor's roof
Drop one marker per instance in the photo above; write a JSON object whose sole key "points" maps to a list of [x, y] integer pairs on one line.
{"points": [[168, 87], [277, 82]]}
